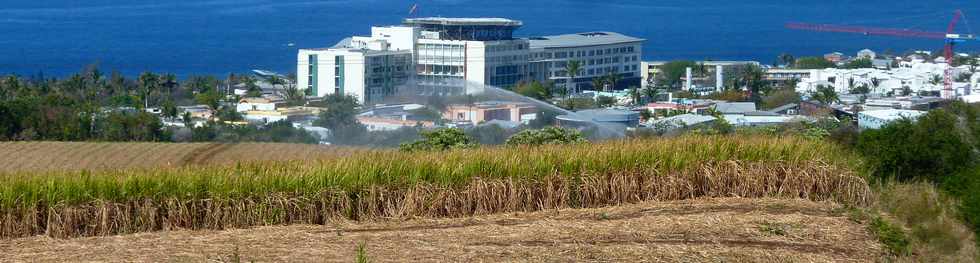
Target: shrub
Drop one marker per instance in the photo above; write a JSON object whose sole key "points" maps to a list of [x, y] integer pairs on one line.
{"points": [[930, 148], [923, 223], [440, 140], [890, 235], [549, 135]]}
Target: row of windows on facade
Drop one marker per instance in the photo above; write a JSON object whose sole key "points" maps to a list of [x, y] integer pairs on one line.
{"points": [[584, 53], [597, 71], [592, 62], [389, 69], [439, 69], [459, 48], [505, 81], [460, 59]]}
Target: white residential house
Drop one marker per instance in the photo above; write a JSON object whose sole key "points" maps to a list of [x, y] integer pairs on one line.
{"points": [[259, 104], [916, 76]]}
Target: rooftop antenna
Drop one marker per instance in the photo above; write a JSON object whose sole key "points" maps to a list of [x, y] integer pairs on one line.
{"points": [[412, 12]]}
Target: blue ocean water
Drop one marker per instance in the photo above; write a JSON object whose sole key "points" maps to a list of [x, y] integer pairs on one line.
{"points": [[187, 37]]}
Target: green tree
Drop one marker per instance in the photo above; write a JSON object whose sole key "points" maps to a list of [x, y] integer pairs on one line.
{"points": [[340, 117], [293, 96], [548, 135], [859, 63], [825, 95], [612, 78], [149, 83], [252, 89], [635, 95], [814, 63], [671, 73], [169, 83], [780, 97], [440, 140], [533, 89], [169, 109], [211, 98], [276, 81], [936, 79], [786, 59], [574, 67], [931, 147], [598, 83], [651, 93], [861, 89]]}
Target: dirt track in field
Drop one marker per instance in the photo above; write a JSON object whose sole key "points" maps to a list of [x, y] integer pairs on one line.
{"points": [[710, 230]]}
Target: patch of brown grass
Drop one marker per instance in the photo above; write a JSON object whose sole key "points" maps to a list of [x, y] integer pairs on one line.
{"points": [[929, 220], [94, 156]]}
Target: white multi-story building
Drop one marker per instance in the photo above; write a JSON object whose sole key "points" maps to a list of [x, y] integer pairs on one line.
{"points": [[440, 56], [599, 53], [458, 51], [368, 68]]}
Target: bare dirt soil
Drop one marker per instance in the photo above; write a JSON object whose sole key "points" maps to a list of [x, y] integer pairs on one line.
{"points": [[708, 230]]}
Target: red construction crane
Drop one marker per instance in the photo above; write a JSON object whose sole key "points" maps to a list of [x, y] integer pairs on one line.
{"points": [[950, 38]]}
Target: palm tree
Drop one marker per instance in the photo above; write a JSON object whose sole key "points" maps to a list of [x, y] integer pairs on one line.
{"points": [[786, 59], [599, 83], [170, 82], [612, 79], [573, 67], [293, 96], [825, 95], [635, 95], [276, 80], [650, 92], [875, 82], [936, 79], [253, 89], [148, 83]]}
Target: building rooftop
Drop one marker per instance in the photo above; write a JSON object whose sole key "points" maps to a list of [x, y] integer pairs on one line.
{"points": [[893, 114], [685, 120], [458, 21], [601, 115], [582, 39], [735, 107], [493, 104], [347, 44]]}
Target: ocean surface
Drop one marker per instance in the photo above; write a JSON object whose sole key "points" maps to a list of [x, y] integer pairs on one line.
{"points": [[191, 37]]}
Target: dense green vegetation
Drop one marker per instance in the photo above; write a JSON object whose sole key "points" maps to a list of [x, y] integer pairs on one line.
{"points": [[940, 147], [90, 106], [440, 140], [813, 63], [549, 135]]}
